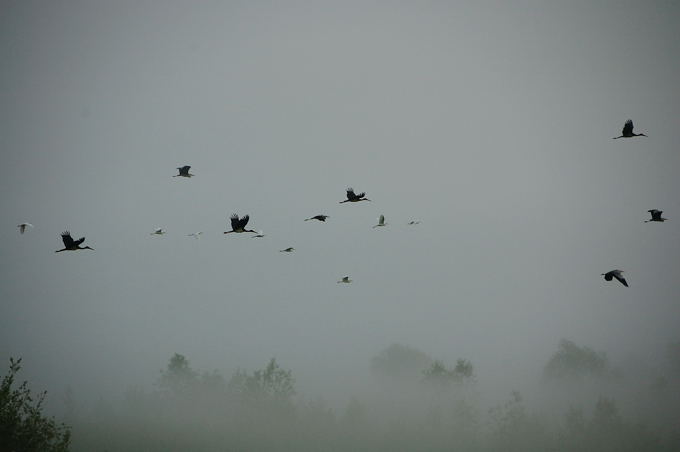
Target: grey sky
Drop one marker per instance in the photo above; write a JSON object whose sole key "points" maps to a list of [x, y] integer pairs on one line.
{"points": [[490, 122]]}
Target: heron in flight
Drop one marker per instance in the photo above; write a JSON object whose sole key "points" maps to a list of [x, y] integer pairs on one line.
{"points": [[656, 216], [381, 221], [353, 197], [72, 245], [184, 171], [238, 225], [627, 131], [22, 227], [345, 279], [321, 218], [615, 274]]}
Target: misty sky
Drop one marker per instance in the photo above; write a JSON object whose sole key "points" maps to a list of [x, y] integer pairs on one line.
{"points": [[491, 123]]}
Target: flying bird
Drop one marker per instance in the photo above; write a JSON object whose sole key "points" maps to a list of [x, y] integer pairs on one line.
{"points": [[656, 216], [259, 234], [352, 197], [345, 279], [318, 217], [158, 231], [196, 235], [627, 131], [414, 222], [615, 274], [239, 224], [183, 172], [290, 249], [381, 221], [22, 227], [72, 245]]}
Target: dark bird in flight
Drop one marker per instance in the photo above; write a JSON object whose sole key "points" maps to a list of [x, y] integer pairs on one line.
{"points": [[72, 245], [318, 217], [413, 222], [627, 131], [239, 224], [22, 227], [615, 274], [290, 249], [345, 279], [184, 172], [352, 197], [656, 216]]}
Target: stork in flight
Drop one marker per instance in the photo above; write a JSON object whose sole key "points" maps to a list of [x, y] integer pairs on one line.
{"points": [[656, 216], [183, 171], [352, 197], [72, 245], [615, 274], [627, 131], [321, 218], [381, 221], [158, 231], [22, 227], [239, 224], [290, 249], [345, 279]]}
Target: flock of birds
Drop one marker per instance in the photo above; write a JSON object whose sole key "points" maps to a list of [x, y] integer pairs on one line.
{"points": [[238, 224]]}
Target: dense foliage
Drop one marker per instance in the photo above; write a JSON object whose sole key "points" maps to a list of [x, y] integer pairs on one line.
{"points": [[23, 427]]}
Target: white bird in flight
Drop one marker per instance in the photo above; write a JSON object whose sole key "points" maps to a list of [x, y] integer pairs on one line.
{"points": [[22, 227], [381, 221]]}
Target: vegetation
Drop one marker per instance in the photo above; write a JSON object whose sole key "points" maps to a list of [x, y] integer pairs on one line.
{"points": [[23, 427], [262, 410], [570, 361]]}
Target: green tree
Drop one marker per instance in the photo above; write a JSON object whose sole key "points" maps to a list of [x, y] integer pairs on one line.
{"points": [[439, 375], [271, 384], [570, 361], [23, 427], [178, 377], [400, 361]]}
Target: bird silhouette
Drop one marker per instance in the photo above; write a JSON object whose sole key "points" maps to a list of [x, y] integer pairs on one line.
{"points": [[345, 279], [318, 217], [72, 245], [238, 225], [22, 227], [290, 249], [656, 216], [627, 131], [158, 231], [352, 197], [615, 274], [184, 171]]}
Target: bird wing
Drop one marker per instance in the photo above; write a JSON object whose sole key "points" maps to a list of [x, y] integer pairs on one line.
{"points": [[184, 169], [381, 220], [79, 241], [657, 214], [361, 195], [617, 275], [243, 221], [234, 222], [68, 240], [627, 128], [350, 193]]}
